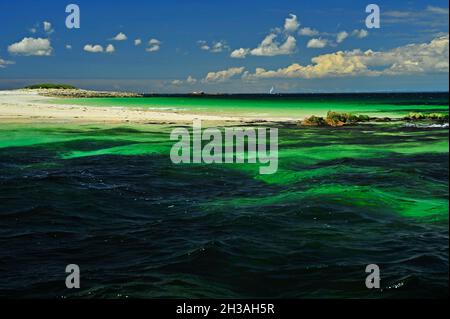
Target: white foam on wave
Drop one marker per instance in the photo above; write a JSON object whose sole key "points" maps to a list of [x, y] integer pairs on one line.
{"points": [[445, 125]]}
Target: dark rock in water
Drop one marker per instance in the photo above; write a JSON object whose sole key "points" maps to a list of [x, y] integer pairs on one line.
{"points": [[335, 119], [427, 116], [381, 119], [314, 121]]}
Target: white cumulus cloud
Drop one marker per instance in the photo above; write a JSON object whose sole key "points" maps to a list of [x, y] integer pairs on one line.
{"points": [[222, 76], [291, 23], [317, 43], [110, 49], [360, 33], [341, 36], [97, 48], [308, 32], [137, 42], [276, 43], [204, 45], [154, 45], [419, 58], [48, 27], [268, 47], [215, 47], [31, 46], [240, 53], [190, 81], [177, 82], [120, 37]]}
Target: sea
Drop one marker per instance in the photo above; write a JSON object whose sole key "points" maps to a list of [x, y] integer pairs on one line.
{"points": [[107, 197]]}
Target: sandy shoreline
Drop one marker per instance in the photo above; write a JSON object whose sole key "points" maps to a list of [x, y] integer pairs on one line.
{"points": [[25, 106]]}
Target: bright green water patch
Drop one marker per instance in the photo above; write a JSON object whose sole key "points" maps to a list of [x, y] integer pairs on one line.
{"points": [[21, 135], [259, 108], [366, 198], [306, 156], [127, 150]]}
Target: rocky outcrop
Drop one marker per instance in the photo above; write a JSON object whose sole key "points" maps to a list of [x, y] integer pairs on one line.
{"points": [[335, 119]]}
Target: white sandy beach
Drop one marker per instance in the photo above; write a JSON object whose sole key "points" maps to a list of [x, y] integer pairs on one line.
{"points": [[25, 106]]}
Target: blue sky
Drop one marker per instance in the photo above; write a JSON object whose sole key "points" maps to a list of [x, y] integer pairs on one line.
{"points": [[195, 46]]}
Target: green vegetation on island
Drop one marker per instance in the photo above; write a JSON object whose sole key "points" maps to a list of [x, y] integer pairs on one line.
{"points": [[51, 86]]}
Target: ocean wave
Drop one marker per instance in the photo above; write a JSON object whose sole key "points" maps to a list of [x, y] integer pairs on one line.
{"points": [[444, 125]]}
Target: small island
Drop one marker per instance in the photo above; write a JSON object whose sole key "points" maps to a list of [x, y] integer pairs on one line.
{"points": [[69, 91]]}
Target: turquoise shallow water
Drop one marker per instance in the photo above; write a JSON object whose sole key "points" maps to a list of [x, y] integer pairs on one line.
{"points": [[108, 198], [291, 106]]}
